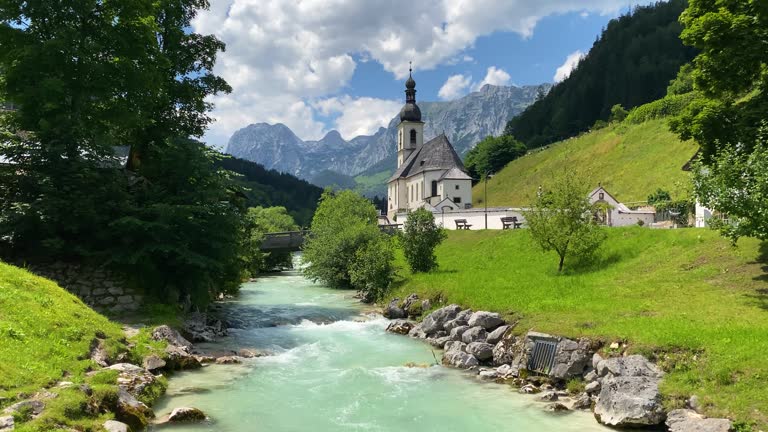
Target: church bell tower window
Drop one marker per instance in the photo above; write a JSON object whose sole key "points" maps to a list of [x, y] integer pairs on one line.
{"points": [[413, 136]]}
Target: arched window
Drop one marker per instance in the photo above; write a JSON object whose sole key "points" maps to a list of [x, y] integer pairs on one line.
{"points": [[434, 187], [413, 136]]}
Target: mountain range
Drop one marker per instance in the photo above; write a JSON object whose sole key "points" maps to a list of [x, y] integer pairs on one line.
{"points": [[465, 121]]}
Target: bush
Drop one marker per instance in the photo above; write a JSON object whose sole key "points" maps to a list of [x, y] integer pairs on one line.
{"points": [[344, 233], [420, 238], [664, 107], [372, 270]]}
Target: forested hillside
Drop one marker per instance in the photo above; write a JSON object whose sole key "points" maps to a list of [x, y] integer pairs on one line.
{"points": [[268, 188], [630, 64]]}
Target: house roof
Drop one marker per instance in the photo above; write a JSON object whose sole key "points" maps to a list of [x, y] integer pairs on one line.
{"points": [[435, 154], [455, 174], [601, 188]]}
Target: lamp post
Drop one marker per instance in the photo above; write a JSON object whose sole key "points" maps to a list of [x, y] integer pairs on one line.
{"points": [[485, 197], [442, 211]]}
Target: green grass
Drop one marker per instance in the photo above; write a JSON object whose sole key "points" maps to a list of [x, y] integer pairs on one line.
{"points": [[685, 296], [630, 160], [45, 337]]}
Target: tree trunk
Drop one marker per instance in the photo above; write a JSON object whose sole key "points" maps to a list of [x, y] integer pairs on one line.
{"points": [[562, 261]]}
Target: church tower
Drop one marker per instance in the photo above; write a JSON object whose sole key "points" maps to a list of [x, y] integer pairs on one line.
{"points": [[410, 131]]}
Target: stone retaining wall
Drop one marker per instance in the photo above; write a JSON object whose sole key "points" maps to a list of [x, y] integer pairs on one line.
{"points": [[96, 286]]}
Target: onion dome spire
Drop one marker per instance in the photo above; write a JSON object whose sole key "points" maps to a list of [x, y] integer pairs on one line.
{"points": [[410, 111]]}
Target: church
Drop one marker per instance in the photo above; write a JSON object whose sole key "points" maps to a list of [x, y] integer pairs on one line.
{"points": [[429, 175]]}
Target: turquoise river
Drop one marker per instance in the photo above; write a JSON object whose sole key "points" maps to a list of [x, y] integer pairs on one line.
{"points": [[334, 368]]}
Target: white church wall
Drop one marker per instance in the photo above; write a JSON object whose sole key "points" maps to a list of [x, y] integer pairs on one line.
{"points": [[474, 217], [461, 189]]}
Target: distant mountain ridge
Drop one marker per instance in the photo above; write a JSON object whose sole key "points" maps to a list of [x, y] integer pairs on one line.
{"points": [[465, 121]]}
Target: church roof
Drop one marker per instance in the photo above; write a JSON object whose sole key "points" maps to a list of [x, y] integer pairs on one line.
{"points": [[436, 154], [455, 174]]}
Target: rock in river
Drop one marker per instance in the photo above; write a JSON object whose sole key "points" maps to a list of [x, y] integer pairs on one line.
{"points": [[186, 415], [400, 327], [474, 334]]}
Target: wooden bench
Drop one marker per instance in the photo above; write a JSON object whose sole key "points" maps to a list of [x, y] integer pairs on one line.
{"points": [[510, 221], [462, 224]]}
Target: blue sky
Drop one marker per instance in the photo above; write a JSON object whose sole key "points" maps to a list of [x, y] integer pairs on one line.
{"points": [[319, 65]]}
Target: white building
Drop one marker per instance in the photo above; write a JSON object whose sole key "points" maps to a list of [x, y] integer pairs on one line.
{"points": [[428, 174], [614, 213]]}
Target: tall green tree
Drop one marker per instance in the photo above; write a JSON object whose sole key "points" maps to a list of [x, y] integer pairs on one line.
{"points": [[729, 72], [492, 154], [344, 224], [87, 76], [562, 219]]}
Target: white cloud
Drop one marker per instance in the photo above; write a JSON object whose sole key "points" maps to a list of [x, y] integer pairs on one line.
{"points": [[570, 64], [454, 87], [358, 116], [494, 76], [283, 54]]}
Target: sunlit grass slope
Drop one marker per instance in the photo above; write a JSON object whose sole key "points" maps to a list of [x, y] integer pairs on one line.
{"points": [[685, 291], [630, 160], [45, 333]]}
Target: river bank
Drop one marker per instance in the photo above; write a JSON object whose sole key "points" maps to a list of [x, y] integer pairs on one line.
{"points": [[333, 367]]}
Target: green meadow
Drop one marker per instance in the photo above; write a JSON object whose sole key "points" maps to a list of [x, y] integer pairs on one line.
{"points": [[685, 297]]}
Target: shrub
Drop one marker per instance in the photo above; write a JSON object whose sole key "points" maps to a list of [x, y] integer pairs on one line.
{"points": [[420, 238], [342, 228], [372, 270]]}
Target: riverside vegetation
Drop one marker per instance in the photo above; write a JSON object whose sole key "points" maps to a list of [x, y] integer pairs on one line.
{"points": [[685, 298]]}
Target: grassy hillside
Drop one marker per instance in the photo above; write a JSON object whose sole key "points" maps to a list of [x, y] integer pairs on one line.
{"points": [[45, 337], [630, 160], [686, 291]]}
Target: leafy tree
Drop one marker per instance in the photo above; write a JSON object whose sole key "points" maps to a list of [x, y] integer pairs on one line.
{"points": [[659, 196], [735, 183], [258, 222], [344, 224], [421, 236], [729, 72], [372, 270], [492, 154], [181, 236], [562, 219], [87, 76], [618, 113], [630, 64]]}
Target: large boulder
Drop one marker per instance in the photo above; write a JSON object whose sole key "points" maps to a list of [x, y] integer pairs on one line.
{"points": [[131, 411], [179, 358], [454, 323], [171, 336], [474, 334], [455, 346], [133, 379], [393, 310], [6, 423], [495, 336], [153, 362], [629, 393], [459, 359], [439, 342], [634, 365], [437, 319], [572, 359], [417, 332], [457, 332], [486, 320], [186, 415], [481, 350], [400, 326], [115, 426], [685, 420]]}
